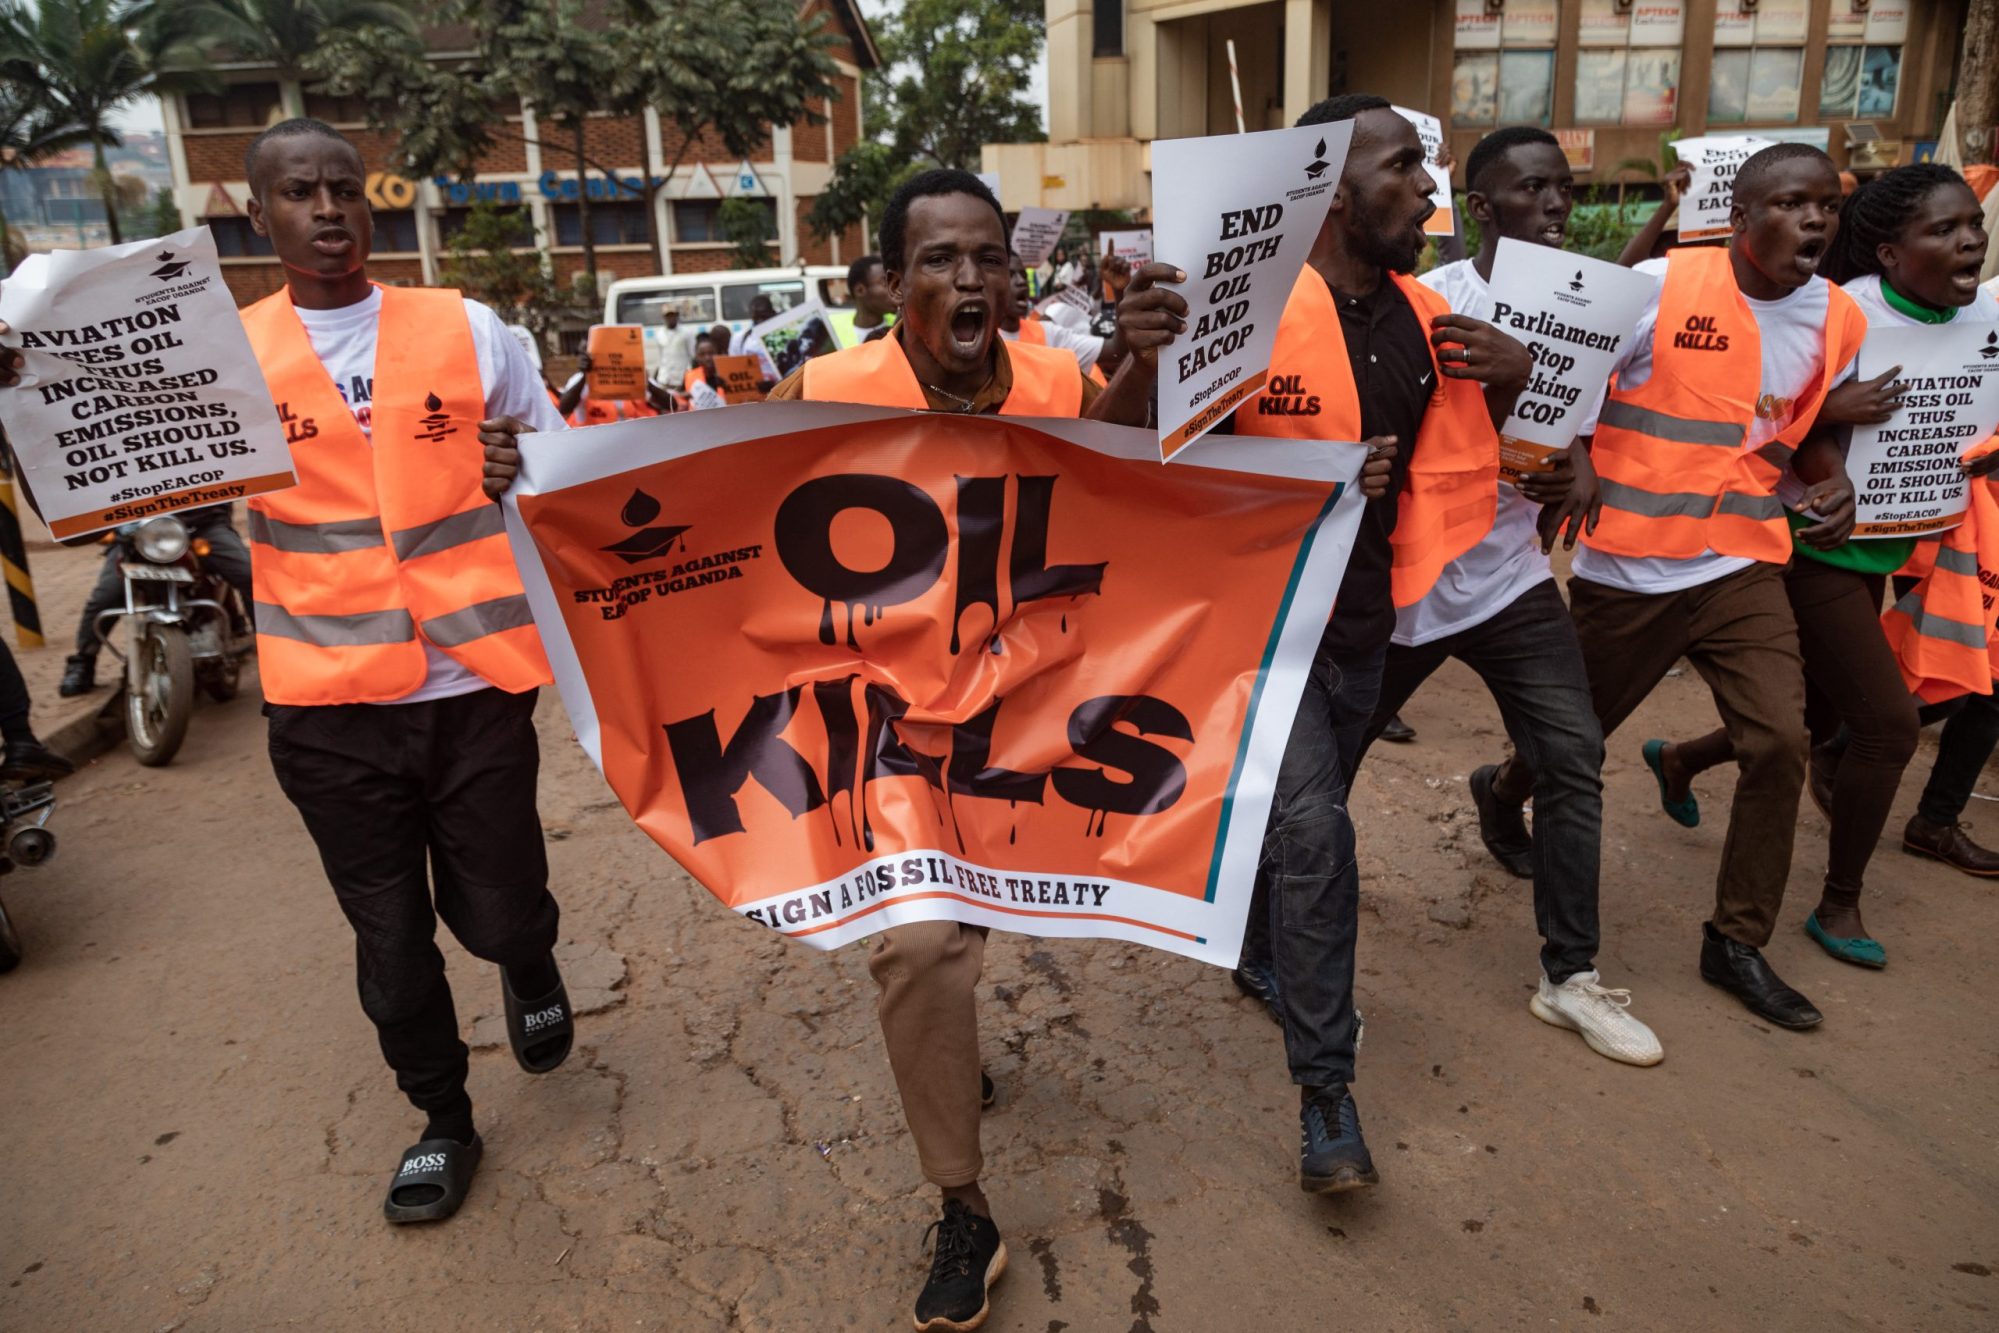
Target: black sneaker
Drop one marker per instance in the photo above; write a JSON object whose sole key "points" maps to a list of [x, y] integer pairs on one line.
{"points": [[969, 1257], [1332, 1156], [79, 675]]}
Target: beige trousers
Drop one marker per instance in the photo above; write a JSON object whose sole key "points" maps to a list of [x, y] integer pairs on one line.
{"points": [[929, 974]]}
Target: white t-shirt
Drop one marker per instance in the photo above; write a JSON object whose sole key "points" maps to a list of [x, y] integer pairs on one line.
{"points": [[1085, 347], [1866, 293], [1791, 330], [344, 340], [1487, 579], [676, 355]]}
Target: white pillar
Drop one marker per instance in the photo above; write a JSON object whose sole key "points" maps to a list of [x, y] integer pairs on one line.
{"points": [[788, 248]]}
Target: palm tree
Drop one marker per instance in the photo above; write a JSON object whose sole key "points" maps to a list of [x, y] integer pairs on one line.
{"points": [[83, 61], [279, 33], [30, 130]]}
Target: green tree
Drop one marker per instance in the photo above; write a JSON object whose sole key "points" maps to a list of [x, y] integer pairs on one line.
{"points": [[746, 224], [31, 129], [954, 76], [83, 60], [160, 215], [279, 33], [482, 259]]}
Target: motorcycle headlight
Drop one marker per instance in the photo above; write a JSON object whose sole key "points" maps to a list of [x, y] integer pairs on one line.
{"points": [[161, 540]]}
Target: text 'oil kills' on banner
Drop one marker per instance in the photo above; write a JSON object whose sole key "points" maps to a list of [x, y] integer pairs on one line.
{"points": [[140, 394], [1240, 219], [938, 667], [1575, 315], [1906, 474]]}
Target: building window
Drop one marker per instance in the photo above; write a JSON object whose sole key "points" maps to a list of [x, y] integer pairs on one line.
{"points": [[395, 231], [451, 221], [1759, 62], [235, 240], [697, 221], [1108, 18], [1505, 67], [238, 106], [336, 110], [1628, 61], [612, 222], [1863, 59]]}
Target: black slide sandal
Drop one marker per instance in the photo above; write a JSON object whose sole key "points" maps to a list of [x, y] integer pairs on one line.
{"points": [[540, 1031], [432, 1181]]}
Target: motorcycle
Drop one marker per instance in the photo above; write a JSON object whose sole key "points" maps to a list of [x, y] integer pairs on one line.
{"points": [[24, 815], [183, 626]]}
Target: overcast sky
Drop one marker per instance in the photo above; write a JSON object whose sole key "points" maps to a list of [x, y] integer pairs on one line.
{"points": [[145, 115]]}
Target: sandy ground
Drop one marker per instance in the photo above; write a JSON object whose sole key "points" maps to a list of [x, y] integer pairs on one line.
{"points": [[198, 1128]]}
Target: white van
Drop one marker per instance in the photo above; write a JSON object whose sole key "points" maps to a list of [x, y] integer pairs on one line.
{"points": [[707, 299]]}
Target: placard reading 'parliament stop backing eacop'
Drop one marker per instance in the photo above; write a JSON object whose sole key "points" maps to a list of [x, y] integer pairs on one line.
{"points": [[1241, 238], [1575, 315], [1905, 471], [139, 392]]}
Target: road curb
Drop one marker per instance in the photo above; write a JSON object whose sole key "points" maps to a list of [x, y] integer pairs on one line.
{"points": [[83, 738]]}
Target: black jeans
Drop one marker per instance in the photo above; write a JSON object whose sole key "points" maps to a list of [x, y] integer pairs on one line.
{"points": [[1304, 914], [14, 702], [1529, 659], [390, 791], [227, 556], [1967, 741]]}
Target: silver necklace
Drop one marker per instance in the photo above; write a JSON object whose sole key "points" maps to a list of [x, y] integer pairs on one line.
{"points": [[963, 404]]}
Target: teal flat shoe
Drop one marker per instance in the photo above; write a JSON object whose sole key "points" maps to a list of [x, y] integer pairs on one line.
{"points": [[1857, 949], [1685, 813]]}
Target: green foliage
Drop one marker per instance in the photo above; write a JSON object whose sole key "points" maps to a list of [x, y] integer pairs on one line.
{"points": [[280, 33], [481, 260], [746, 225], [954, 76], [1600, 224], [163, 218]]}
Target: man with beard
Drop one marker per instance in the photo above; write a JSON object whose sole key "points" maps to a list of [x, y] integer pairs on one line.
{"points": [[1496, 609], [1364, 352], [1703, 443]]}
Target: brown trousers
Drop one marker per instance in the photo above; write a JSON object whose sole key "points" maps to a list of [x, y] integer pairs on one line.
{"points": [[928, 972], [1741, 636]]}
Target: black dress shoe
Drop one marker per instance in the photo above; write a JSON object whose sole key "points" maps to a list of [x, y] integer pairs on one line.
{"points": [[1949, 844], [32, 759], [1501, 826], [1397, 731], [79, 675], [1259, 982], [1740, 970]]}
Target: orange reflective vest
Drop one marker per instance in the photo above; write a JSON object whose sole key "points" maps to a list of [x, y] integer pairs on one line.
{"points": [[1672, 455], [1045, 380], [1452, 489], [378, 542], [1942, 631], [1031, 331]]}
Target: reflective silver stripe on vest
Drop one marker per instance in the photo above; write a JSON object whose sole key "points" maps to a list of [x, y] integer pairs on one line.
{"points": [[1957, 562], [429, 538], [1932, 626], [369, 627], [477, 621], [1656, 504], [348, 534], [1680, 430], [1776, 452], [1758, 507]]}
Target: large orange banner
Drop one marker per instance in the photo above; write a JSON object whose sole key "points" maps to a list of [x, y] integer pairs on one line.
{"points": [[855, 667]]}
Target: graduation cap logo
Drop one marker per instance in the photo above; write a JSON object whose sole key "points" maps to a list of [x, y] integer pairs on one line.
{"points": [[1318, 165], [1991, 348], [437, 424], [170, 268], [1576, 284], [645, 542]]}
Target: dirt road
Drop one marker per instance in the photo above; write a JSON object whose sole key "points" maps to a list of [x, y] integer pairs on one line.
{"points": [[196, 1129]]}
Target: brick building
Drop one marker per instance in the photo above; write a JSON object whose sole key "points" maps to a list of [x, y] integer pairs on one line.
{"points": [[207, 134]]}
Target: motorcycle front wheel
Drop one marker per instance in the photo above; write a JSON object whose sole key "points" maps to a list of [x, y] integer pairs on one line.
{"points": [[10, 943], [157, 709]]}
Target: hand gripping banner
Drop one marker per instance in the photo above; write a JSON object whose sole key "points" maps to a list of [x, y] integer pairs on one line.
{"points": [[855, 667]]}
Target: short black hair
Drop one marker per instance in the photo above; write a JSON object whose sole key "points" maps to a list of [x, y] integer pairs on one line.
{"points": [[1495, 146], [1874, 215], [928, 185], [1755, 173], [294, 128], [857, 272], [1344, 107]]}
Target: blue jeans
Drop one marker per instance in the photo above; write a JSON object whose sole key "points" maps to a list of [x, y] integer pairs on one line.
{"points": [[1304, 915], [1529, 659]]}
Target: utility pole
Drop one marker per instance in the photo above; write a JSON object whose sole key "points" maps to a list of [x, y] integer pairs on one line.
{"points": [[1978, 83]]}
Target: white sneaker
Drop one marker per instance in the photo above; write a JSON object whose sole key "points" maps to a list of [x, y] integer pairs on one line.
{"points": [[1581, 1005]]}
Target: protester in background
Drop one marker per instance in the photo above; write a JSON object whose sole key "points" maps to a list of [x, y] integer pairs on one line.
{"points": [[1688, 557], [703, 384], [227, 556], [1379, 358], [1496, 609], [871, 305], [396, 650], [578, 408], [1068, 270], [676, 348], [747, 343], [1019, 323]]}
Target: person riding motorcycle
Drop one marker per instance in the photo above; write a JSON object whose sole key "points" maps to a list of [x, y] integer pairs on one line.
{"points": [[227, 556]]}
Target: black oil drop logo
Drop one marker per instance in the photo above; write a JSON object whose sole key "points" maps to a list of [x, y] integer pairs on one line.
{"points": [[1318, 165], [1577, 284], [1991, 348], [644, 543], [437, 424]]}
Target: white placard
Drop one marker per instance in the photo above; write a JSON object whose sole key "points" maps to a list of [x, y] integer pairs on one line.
{"points": [[1242, 239], [1709, 195], [1036, 233], [1575, 315], [789, 338], [1074, 297], [140, 394], [1431, 131], [1132, 246], [1905, 472]]}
